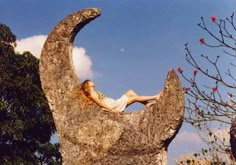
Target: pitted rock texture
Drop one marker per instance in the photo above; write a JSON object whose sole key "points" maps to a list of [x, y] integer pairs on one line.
{"points": [[89, 135]]}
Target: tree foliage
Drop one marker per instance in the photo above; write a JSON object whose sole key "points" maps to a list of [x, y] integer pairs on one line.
{"points": [[26, 124], [211, 103]]}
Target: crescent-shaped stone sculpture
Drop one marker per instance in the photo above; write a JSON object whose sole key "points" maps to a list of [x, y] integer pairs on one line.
{"points": [[90, 135]]}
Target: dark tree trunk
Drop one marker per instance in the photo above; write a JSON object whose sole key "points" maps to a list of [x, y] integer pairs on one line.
{"points": [[233, 137]]}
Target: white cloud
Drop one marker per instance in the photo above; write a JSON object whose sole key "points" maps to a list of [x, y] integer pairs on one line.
{"points": [[185, 142], [189, 138], [34, 44], [193, 141], [82, 63], [222, 134]]}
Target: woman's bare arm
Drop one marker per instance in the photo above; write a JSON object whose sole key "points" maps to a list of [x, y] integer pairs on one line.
{"points": [[94, 97]]}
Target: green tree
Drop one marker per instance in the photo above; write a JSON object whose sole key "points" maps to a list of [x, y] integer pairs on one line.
{"points": [[211, 104], [26, 123]]}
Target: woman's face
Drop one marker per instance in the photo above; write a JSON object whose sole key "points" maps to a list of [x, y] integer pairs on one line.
{"points": [[91, 84]]}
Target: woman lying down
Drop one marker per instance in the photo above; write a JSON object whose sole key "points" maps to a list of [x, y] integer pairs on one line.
{"points": [[116, 105]]}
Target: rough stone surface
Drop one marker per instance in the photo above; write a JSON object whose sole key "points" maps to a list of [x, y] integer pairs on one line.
{"points": [[90, 135]]}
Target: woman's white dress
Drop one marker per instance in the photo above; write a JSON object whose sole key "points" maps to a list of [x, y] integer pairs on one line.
{"points": [[116, 104]]}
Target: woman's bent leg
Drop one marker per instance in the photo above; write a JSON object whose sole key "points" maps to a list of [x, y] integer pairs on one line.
{"points": [[132, 93], [142, 99]]}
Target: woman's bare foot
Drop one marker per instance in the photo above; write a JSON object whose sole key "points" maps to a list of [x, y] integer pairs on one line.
{"points": [[159, 95], [149, 104]]}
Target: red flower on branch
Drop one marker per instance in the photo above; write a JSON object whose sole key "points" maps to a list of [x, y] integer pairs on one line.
{"points": [[201, 40], [195, 72], [214, 89], [213, 18], [180, 70], [186, 89], [230, 95]]}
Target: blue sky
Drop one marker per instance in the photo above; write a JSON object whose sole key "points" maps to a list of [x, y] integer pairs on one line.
{"points": [[132, 45]]}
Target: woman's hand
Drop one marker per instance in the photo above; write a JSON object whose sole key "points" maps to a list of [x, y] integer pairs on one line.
{"points": [[118, 112], [94, 97], [114, 111]]}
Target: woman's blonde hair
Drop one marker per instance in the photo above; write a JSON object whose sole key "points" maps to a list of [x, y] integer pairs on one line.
{"points": [[82, 91], [86, 88]]}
